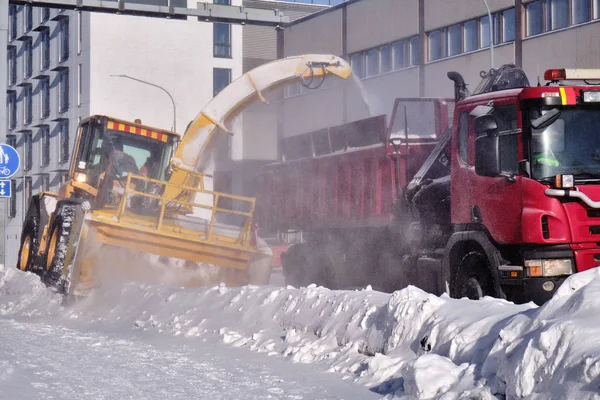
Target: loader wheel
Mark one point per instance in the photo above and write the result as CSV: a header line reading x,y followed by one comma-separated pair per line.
x,y
473,278
55,255
29,246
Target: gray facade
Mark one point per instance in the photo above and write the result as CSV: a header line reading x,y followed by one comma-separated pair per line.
x,y
44,104
404,48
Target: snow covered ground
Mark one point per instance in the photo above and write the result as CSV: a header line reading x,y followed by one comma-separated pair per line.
x,y
409,344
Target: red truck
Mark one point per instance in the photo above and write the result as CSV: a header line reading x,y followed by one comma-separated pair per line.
x,y
492,193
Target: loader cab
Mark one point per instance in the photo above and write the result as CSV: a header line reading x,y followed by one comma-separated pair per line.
x,y
107,146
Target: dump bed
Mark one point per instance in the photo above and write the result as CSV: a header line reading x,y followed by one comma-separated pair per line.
x,y
349,175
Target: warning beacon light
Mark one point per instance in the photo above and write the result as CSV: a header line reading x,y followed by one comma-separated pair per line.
x,y
562,74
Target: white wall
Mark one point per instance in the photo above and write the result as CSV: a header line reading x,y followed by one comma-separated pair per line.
x,y
177,55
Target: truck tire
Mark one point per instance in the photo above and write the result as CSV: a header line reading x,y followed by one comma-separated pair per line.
x,y
473,278
29,245
56,251
294,263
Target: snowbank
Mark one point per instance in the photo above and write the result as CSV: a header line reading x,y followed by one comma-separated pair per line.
x,y
408,344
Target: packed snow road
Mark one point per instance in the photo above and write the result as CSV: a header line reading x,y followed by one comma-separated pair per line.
x,y
406,345
40,360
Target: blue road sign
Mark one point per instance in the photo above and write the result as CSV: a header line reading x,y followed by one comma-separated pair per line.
x,y
4,188
9,161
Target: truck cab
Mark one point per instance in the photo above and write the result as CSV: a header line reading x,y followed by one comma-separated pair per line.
x,y
525,188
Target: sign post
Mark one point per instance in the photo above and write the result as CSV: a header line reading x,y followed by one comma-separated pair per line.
x,y
9,164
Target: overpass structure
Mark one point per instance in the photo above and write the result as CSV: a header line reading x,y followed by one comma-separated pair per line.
x,y
207,12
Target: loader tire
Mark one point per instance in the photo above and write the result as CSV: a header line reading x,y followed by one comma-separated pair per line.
x,y
55,254
29,245
473,278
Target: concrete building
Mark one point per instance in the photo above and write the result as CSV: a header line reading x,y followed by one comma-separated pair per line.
x,y
404,48
62,67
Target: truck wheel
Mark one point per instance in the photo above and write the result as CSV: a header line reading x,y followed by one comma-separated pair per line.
x,y
473,278
29,245
55,254
294,263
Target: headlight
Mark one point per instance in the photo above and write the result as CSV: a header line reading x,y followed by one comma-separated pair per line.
x,y
555,267
80,177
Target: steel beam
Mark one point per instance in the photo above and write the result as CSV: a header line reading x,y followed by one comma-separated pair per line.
x,y
206,12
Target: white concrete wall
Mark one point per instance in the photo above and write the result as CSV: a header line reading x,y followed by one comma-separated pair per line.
x,y
177,55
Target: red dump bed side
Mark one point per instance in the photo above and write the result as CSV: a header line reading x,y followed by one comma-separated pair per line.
x,y
345,176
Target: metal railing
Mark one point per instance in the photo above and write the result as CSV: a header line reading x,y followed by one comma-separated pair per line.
x,y
245,230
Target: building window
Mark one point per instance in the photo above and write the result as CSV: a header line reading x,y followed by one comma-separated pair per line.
x,y
12,206
45,185
372,62
12,20
385,59
221,78
63,155
11,140
45,146
11,105
454,40
484,32
44,49
27,192
28,54
582,11
356,62
45,98
508,25
27,146
28,106
415,50
222,40
28,23
436,45
64,90
44,14
471,41
534,18
64,40
399,51
557,14
12,65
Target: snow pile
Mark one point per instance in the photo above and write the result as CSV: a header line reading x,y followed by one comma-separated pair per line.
x,y
409,344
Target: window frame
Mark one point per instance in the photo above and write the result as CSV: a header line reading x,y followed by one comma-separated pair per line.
x,y
12,65
27,151
63,147
44,49
222,49
27,57
44,97
215,70
44,146
63,92
63,54
28,104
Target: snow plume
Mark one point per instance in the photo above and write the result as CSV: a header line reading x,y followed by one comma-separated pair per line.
x,y
409,344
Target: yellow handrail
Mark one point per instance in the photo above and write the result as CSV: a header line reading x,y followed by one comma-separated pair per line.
x,y
245,231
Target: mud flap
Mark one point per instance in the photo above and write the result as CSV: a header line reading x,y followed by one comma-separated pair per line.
x,y
261,264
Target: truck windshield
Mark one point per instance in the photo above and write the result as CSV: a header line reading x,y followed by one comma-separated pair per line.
x,y
131,153
569,145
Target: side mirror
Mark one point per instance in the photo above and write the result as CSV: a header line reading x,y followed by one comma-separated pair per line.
x,y
487,155
486,125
